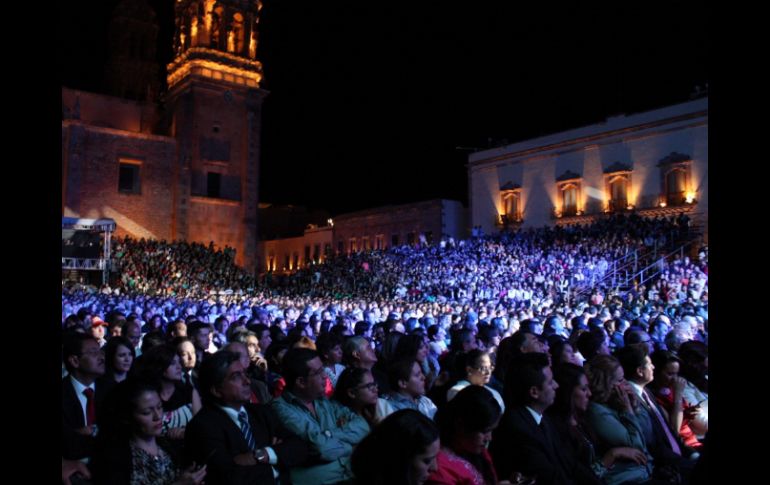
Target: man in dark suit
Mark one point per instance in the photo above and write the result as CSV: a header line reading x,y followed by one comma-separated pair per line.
x,y
81,397
525,440
665,446
239,441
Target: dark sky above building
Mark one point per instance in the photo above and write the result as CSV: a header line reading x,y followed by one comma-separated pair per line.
x,y
370,100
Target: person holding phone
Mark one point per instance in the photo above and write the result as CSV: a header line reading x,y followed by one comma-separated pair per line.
x,y
668,388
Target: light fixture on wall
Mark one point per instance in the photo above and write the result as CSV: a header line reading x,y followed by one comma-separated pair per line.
x,y
689,197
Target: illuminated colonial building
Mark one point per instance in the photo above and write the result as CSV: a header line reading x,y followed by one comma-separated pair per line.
x,y
366,230
652,163
185,166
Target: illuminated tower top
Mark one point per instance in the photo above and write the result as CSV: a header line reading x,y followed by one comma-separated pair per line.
x,y
216,39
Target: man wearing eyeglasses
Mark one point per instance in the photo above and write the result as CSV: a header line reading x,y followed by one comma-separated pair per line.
x,y
81,397
331,429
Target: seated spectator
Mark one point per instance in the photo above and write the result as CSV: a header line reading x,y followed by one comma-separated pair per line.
x,y
408,388
663,444
180,403
568,416
151,339
636,335
525,440
98,329
414,347
401,449
257,363
329,428
241,442
477,371
118,359
562,352
668,389
357,389
466,424
694,369
130,449
594,342
330,350
259,391
81,395
188,358
612,419
358,352
199,333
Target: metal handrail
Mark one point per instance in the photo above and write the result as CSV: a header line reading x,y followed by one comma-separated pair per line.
x,y
652,254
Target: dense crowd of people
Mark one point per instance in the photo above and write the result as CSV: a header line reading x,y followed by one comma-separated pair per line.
x,y
462,362
177,268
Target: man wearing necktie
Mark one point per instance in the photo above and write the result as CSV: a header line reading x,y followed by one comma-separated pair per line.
x,y
239,441
81,398
525,441
663,444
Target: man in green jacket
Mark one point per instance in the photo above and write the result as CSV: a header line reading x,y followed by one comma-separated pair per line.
x,y
331,429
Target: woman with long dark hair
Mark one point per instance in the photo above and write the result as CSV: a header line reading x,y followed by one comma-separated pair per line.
x,y
611,418
568,413
668,388
357,389
465,426
695,368
130,448
180,402
402,449
119,356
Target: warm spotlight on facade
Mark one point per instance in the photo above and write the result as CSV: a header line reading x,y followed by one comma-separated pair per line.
x,y
689,197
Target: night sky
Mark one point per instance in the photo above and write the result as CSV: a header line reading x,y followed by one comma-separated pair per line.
x,y
370,100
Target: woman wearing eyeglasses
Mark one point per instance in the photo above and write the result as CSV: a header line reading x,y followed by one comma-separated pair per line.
x,y
475,369
357,389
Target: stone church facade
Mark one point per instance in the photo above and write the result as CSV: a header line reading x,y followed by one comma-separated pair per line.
x,y
182,165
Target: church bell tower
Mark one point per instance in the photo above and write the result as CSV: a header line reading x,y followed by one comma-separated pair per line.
x,y
216,102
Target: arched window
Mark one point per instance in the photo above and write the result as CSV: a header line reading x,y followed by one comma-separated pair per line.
x,y
193,33
568,186
569,200
511,203
676,186
619,193
238,34
617,183
675,178
216,26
